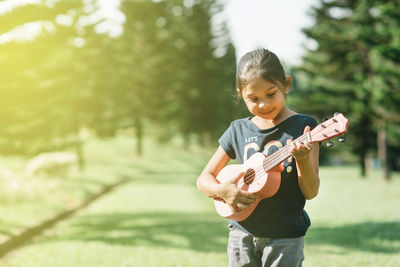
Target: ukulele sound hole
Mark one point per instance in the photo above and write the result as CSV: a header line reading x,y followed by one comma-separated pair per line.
x,y
249,176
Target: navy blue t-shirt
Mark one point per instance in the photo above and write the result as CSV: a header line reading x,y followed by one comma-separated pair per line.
x,y
282,215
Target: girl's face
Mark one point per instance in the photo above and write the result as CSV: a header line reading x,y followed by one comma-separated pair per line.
x,y
265,99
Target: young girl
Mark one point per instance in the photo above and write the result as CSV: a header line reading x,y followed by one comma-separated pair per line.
x,y
273,234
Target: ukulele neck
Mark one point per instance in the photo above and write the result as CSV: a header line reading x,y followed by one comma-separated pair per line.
x,y
282,154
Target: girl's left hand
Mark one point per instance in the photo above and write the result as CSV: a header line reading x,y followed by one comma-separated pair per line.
x,y
301,150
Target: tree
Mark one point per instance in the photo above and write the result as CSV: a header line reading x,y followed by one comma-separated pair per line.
x,y
39,85
162,69
173,77
385,62
340,70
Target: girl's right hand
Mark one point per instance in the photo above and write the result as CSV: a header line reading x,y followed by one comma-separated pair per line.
x,y
235,197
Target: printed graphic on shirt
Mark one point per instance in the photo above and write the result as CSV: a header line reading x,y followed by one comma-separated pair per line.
x,y
251,139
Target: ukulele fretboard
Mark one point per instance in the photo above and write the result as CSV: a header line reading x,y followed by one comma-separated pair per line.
x,y
282,154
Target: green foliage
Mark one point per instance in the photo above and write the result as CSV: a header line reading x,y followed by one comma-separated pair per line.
x,y
354,68
36,86
163,69
176,79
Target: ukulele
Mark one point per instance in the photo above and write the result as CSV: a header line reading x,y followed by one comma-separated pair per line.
x,y
263,173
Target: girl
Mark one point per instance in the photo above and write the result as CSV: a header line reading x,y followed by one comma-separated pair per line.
x,y
273,234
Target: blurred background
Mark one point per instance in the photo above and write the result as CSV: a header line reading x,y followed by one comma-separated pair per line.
x,y
167,69
95,88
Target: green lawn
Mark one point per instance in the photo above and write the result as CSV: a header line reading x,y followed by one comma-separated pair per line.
x,y
355,222
27,200
159,218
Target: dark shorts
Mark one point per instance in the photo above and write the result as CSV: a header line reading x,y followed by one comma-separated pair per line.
x,y
247,250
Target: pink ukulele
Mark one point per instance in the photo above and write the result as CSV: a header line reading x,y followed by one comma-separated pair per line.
x,y
263,173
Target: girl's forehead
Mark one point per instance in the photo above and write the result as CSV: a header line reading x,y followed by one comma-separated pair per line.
x,y
258,85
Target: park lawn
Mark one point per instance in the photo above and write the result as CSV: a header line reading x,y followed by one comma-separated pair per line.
x,y
28,200
355,222
159,218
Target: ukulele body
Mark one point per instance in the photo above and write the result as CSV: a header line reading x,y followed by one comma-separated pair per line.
x,y
256,181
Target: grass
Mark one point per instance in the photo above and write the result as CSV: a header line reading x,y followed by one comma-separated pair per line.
x,y
26,200
356,222
159,218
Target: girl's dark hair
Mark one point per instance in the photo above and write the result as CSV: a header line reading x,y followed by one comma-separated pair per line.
x,y
260,63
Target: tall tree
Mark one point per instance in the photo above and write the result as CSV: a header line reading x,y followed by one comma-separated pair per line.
x,y
172,75
163,69
340,70
41,81
33,80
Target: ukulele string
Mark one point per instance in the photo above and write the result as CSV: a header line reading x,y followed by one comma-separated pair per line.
x,y
278,154
275,158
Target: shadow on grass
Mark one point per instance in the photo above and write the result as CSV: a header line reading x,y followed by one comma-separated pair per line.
x,y
208,233
195,231
379,237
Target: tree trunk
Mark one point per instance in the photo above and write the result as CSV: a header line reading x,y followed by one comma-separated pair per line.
x,y
186,141
139,136
79,153
363,157
206,139
382,153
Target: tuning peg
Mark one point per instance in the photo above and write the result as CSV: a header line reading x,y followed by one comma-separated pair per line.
x,y
336,113
329,144
342,139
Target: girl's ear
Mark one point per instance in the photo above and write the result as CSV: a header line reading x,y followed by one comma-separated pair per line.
x,y
288,81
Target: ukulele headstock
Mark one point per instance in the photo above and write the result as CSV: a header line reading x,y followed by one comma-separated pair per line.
x,y
335,126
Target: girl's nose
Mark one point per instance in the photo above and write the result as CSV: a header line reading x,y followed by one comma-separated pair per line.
x,y
263,104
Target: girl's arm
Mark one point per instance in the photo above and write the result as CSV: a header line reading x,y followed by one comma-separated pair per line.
x,y
307,155
228,191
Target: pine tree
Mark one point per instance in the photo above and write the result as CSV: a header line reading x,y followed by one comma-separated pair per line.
x,y
343,71
385,62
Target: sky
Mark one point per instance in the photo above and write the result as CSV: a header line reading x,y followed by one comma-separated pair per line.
x,y
275,25
272,24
